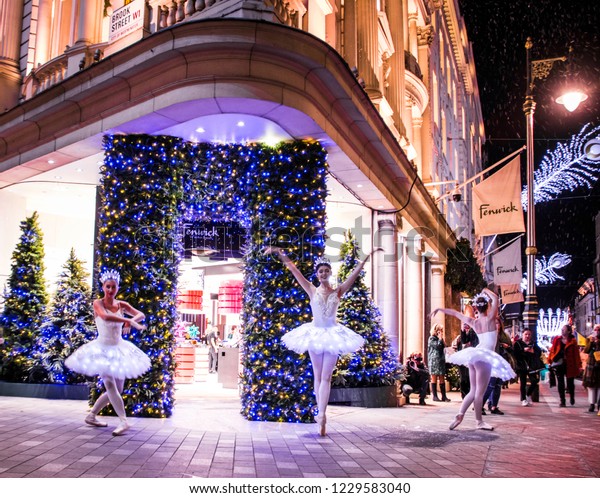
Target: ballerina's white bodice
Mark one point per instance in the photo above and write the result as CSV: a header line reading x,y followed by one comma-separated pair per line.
x,y
109,332
487,340
324,308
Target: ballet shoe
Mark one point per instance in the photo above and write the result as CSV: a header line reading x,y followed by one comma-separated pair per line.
x,y
456,422
481,425
121,428
322,421
92,420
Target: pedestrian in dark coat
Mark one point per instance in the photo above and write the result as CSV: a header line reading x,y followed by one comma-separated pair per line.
x,y
468,339
591,374
437,361
529,363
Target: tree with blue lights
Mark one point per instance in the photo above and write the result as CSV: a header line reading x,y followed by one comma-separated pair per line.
x,y
68,325
286,191
375,363
25,302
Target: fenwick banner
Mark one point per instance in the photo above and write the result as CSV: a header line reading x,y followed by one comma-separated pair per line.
x,y
497,204
511,294
507,264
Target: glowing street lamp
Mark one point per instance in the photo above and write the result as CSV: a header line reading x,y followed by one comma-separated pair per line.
x,y
537,69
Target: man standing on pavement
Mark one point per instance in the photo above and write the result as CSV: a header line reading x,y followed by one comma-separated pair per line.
x,y
212,339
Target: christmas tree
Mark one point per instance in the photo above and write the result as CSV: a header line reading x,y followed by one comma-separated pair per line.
x,y
25,302
375,363
69,325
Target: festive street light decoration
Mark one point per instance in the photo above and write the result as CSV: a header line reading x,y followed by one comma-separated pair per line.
x,y
545,269
570,165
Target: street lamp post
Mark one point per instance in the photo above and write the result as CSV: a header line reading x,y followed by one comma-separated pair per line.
x,y
536,69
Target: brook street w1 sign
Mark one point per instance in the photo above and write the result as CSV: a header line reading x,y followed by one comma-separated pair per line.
x,y
126,19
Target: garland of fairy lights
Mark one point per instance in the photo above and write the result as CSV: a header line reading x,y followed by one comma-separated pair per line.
x,y
150,185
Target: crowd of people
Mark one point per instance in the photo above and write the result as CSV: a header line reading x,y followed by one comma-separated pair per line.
x,y
562,363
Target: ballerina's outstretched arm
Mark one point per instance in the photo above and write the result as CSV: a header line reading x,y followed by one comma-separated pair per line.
x,y
494,301
345,286
301,279
463,318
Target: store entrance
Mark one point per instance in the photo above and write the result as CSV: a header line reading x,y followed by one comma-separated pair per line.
x,y
209,304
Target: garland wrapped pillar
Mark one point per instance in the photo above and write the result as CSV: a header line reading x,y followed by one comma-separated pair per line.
x,y
149,185
286,199
140,192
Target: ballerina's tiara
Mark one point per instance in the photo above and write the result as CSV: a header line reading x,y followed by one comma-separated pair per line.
x,y
322,261
110,275
481,296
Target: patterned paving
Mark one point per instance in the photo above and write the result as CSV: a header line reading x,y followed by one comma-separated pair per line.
x,y
207,437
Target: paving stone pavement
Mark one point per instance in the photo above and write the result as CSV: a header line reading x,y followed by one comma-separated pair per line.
x,y
207,437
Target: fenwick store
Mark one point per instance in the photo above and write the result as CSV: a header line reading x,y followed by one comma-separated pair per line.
x,y
179,181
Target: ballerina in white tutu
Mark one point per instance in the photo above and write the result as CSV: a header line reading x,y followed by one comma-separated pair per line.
x,y
483,362
109,355
323,338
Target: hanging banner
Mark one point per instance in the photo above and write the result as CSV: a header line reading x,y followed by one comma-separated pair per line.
x,y
507,264
511,294
497,204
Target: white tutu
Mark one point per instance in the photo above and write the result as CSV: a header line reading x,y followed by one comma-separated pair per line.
x,y
483,353
336,340
323,334
109,354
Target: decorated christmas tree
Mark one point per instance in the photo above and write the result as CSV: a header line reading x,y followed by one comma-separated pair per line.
x,y
25,302
68,325
375,363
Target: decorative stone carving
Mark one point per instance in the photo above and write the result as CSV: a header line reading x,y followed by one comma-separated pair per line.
x,y
425,35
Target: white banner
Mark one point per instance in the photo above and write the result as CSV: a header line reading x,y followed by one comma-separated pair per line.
x,y
507,264
511,294
126,20
497,204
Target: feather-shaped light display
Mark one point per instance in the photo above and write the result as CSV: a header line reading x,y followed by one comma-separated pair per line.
x,y
565,168
545,269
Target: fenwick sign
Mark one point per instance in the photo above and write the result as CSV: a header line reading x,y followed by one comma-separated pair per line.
x,y
214,240
126,20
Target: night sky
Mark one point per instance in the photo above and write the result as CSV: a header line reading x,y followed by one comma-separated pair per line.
x,y
498,31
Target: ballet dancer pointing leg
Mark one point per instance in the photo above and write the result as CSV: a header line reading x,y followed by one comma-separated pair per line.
x,y
482,361
109,355
323,337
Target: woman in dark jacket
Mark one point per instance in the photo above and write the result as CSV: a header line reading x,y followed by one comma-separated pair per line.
x,y
565,360
437,361
591,374
529,363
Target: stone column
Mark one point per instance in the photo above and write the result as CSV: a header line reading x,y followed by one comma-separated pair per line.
x,y
89,13
11,23
387,277
42,38
438,270
368,45
417,143
396,89
413,295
